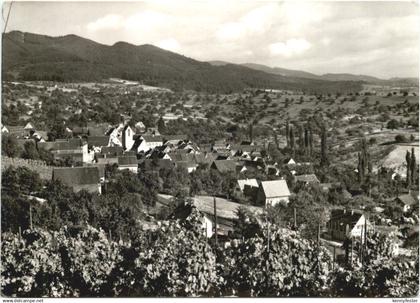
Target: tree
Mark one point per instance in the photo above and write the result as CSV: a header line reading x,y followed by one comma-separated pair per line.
x,y
392,124
324,157
30,151
400,138
413,167
10,146
161,126
408,161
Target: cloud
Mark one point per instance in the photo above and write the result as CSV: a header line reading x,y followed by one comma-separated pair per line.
x,y
289,48
107,22
328,36
170,44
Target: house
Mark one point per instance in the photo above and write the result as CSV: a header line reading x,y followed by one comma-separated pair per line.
x,y
188,165
98,141
156,164
290,161
112,150
140,127
224,166
80,131
273,192
406,201
246,182
345,224
106,160
140,145
128,162
307,179
226,212
152,141
272,170
75,148
79,178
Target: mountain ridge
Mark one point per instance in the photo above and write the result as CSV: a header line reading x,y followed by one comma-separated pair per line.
x,y
28,56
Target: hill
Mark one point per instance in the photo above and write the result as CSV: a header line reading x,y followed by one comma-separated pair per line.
x,y
282,71
398,82
71,58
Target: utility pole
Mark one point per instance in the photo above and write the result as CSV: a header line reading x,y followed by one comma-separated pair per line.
x,y
30,216
361,245
319,233
215,220
294,216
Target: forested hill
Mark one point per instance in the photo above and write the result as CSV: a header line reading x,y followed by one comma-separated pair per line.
x,y
69,58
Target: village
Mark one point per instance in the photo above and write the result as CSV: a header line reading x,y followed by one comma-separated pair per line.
x,y
247,165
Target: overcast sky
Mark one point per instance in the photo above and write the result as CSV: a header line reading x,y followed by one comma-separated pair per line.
x,y
374,38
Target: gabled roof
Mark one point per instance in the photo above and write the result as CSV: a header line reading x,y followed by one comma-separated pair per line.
x,y
127,161
80,130
152,138
151,164
137,143
250,182
307,178
72,144
185,164
224,208
77,175
175,137
407,199
224,165
345,217
98,141
275,188
98,129
112,150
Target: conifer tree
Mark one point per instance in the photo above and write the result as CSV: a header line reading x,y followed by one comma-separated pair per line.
x,y
413,167
408,160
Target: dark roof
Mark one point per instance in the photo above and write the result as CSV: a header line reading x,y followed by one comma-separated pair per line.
x,y
185,164
224,165
77,175
71,144
112,150
98,140
127,160
152,138
407,199
137,143
307,178
175,137
345,217
80,130
149,164
98,129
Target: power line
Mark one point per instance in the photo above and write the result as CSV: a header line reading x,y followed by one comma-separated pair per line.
x,y
7,19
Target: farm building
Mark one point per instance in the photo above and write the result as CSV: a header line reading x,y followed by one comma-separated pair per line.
x,y
79,178
273,192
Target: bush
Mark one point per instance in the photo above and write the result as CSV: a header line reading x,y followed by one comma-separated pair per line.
x,y
400,138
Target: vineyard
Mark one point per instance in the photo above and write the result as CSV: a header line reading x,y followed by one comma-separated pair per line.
x,y
177,260
44,171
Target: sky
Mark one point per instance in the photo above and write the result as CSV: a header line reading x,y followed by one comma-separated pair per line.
x,y
373,38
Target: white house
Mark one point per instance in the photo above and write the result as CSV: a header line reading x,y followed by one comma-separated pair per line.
x,y
273,192
347,224
250,182
128,162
